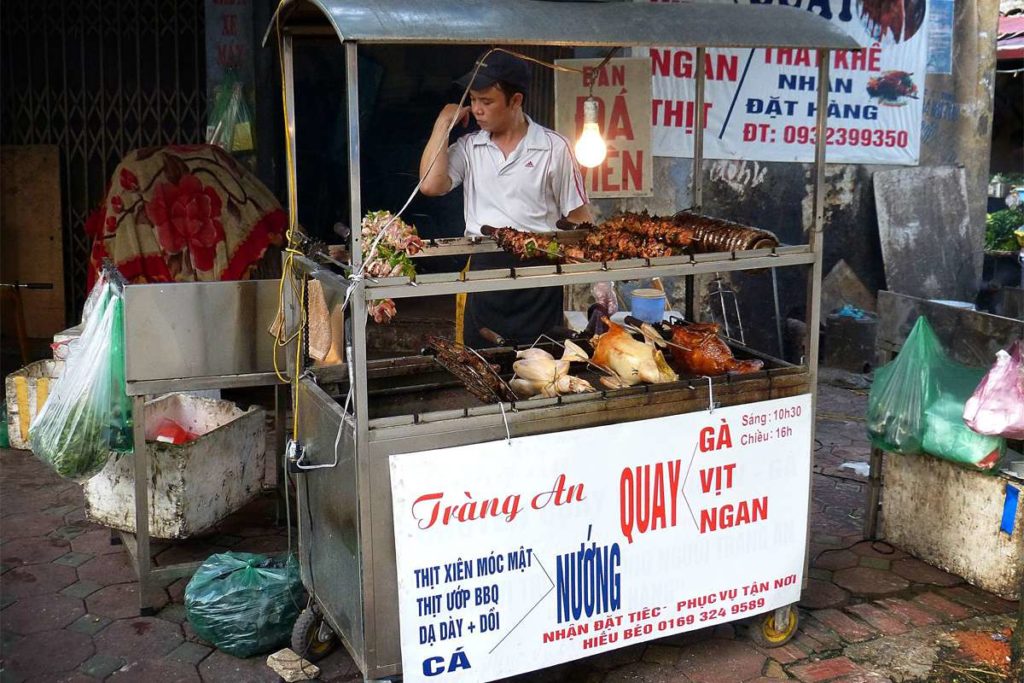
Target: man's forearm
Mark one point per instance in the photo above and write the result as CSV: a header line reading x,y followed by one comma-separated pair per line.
x,y
435,180
581,214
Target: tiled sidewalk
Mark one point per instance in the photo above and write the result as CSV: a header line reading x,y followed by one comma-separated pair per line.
x,y
870,613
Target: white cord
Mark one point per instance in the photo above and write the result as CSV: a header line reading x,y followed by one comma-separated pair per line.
x,y
437,152
711,396
504,418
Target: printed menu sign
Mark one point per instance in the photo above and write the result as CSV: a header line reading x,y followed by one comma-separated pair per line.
x,y
515,556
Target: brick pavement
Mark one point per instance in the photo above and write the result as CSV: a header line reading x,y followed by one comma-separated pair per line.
x,y
68,597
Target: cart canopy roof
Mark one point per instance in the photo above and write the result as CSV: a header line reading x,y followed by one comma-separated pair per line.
x,y
543,22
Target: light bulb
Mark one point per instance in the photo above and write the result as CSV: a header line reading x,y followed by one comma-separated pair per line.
x,y
590,148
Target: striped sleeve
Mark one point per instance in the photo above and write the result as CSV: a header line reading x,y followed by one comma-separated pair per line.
x,y
458,162
566,179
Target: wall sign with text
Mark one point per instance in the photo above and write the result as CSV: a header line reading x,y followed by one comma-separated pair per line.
x,y
761,103
622,88
518,556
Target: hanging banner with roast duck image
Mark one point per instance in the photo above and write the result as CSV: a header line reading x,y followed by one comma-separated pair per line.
x,y
761,103
520,554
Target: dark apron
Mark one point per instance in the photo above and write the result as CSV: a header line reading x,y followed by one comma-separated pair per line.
x,y
519,315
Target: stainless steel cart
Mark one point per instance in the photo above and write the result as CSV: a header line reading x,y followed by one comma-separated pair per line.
x,y
191,336
347,547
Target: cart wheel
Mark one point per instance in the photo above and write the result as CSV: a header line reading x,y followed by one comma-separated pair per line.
x,y
312,638
766,633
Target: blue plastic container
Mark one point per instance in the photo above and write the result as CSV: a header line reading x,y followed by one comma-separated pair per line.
x,y
648,305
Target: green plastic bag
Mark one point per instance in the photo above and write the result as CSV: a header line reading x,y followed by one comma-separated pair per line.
x,y
916,404
5,439
88,414
946,435
245,604
230,124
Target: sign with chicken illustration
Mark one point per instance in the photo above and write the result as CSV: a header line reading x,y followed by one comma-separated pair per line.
x,y
760,104
521,554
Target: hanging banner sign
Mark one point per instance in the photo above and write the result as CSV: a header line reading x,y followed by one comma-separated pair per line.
x,y
515,556
622,88
761,103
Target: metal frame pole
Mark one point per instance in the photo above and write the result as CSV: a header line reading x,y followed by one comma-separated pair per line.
x,y
291,178
140,460
814,238
288,69
357,351
697,175
698,133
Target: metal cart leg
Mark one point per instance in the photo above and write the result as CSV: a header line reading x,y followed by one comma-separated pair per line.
x,y
874,494
280,408
141,541
151,579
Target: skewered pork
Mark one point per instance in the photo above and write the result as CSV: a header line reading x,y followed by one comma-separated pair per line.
x,y
698,350
524,245
714,234
630,361
652,227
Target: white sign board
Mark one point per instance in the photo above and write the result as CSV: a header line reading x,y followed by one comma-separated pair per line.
x,y
761,103
518,556
622,89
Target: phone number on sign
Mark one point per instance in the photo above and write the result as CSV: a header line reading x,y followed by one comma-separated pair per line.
x,y
854,137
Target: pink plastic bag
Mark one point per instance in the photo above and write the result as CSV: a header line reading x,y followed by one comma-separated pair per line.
x,y
997,406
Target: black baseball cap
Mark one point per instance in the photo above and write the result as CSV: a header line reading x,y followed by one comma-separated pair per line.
x,y
499,66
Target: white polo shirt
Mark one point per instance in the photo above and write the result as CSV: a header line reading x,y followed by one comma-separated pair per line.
x,y
536,185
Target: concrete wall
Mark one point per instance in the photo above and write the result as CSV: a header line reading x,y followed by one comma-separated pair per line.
x,y
956,129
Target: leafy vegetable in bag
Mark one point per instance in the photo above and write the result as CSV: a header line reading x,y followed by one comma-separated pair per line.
x,y
88,413
245,604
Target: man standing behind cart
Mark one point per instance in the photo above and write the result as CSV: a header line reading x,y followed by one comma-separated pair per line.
x,y
514,173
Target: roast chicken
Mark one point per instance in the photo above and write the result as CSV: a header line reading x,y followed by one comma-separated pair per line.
x,y
630,361
698,350
539,374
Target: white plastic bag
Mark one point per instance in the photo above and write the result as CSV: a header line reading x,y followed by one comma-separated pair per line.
x,y
88,413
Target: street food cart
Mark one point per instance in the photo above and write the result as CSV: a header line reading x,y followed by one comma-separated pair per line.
x,y
381,433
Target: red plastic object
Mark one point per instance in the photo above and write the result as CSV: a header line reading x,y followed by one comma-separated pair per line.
x,y
169,431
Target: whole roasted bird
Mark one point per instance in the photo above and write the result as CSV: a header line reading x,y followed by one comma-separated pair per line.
x,y
698,350
630,361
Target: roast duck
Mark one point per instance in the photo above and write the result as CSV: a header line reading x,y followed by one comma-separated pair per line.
x,y
698,350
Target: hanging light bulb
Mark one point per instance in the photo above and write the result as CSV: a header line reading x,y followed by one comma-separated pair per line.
x,y
590,148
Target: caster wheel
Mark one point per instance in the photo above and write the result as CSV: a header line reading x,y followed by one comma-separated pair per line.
x,y
312,638
766,632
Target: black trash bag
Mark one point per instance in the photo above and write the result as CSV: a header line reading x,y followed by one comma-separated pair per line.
x,y
245,604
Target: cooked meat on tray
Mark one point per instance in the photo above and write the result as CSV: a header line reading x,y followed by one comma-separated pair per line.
x,y
636,235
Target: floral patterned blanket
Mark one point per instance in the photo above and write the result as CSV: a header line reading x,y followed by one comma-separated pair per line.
x,y
182,214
